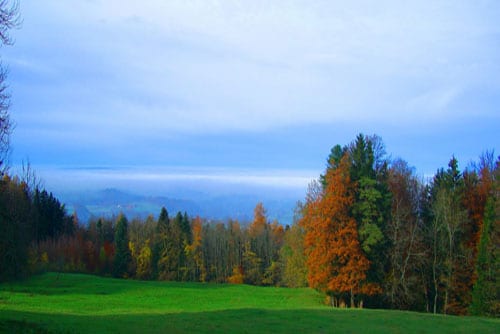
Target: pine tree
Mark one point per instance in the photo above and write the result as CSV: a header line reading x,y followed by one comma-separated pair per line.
x,y
372,201
486,292
169,256
15,229
122,252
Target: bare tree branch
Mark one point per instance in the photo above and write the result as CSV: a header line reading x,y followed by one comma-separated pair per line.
x,y
9,19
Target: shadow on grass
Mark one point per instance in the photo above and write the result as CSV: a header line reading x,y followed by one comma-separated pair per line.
x,y
16,326
248,321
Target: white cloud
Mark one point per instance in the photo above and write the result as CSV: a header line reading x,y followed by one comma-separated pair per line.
x,y
202,179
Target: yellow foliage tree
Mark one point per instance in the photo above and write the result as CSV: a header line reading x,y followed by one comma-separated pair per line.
x,y
144,262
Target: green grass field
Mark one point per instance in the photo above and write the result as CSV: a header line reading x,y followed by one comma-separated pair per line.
x,y
71,303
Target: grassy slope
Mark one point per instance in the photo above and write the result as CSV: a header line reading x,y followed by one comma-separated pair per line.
x,y
82,303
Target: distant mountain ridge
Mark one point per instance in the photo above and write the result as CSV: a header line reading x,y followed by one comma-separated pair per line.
x,y
111,202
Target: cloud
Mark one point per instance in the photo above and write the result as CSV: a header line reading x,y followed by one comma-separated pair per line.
x,y
147,179
98,71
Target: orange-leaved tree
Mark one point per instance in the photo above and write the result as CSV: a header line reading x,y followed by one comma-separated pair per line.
x,y
335,261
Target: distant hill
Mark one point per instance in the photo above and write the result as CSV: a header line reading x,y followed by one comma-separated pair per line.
x,y
110,202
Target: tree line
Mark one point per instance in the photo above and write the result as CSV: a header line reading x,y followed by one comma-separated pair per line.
x,y
28,216
375,234
370,233
176,248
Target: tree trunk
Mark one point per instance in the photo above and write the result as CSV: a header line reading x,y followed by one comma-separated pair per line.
x,y
434,274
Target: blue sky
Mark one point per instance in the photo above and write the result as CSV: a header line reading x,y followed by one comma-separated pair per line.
x,y
251,87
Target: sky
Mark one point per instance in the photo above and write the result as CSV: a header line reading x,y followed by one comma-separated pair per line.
x,y
249,91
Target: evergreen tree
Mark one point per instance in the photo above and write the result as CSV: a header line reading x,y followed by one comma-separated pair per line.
x,y
336,154
486,292
371,206
178,237
122,252
160,243
15,228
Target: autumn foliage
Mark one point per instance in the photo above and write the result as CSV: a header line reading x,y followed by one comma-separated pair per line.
x,y
370,234
335,260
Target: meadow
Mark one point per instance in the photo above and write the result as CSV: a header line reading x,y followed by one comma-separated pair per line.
x,y
75,303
